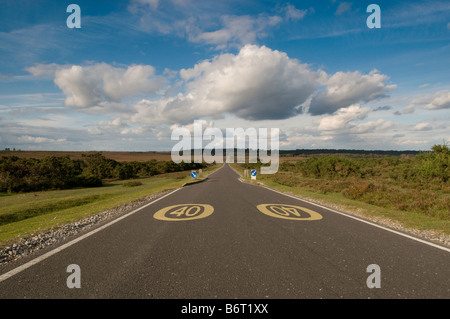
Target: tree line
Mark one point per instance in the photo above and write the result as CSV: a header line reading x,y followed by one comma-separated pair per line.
x,y
30,174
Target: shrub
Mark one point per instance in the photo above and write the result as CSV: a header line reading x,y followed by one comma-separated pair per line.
x,y
132,184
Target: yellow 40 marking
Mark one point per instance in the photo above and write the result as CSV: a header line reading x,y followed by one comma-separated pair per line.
x,y
182,212
289,212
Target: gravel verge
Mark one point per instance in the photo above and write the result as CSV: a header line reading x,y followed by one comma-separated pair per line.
x,y
28,245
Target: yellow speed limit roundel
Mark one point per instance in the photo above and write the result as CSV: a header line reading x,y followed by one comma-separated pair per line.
x,y
289,212
182,212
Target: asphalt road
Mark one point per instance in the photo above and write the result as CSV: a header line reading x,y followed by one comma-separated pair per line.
x,y
235,251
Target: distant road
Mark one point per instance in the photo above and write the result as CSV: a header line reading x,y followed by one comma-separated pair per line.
x,y
226,239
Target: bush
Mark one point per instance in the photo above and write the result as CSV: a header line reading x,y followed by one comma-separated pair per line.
x,y
132,184
436,164
358,189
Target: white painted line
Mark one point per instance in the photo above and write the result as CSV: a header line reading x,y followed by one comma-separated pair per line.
x,y
37,260
357,218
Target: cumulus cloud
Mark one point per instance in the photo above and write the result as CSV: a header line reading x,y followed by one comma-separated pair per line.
x,y
440,100
256,84
346,88
342,118
92,85
372,126
423,127
437,101
409,109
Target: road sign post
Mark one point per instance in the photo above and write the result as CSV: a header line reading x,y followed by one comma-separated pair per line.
x,y
253,173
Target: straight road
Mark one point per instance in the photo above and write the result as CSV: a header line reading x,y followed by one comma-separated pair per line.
x,y
217,244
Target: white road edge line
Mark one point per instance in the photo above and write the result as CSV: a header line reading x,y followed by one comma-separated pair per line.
x,y
37,260
356,218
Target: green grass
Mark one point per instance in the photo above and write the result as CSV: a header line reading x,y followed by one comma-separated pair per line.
x,y
22,215
326,192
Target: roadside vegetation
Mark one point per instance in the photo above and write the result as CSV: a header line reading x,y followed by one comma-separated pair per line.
x,y
414,190
52,173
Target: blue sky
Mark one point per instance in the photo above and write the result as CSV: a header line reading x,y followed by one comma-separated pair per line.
x,y
137,69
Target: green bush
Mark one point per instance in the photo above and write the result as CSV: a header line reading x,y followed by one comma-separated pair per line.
x,y
436,164
132,184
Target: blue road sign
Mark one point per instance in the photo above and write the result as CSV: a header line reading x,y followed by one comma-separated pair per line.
x,y
253,172
193,174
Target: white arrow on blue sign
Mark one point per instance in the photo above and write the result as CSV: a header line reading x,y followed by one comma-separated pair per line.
x,y
253,172
193,174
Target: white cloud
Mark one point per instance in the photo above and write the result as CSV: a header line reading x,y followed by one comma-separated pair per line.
x,y
346,88
44,69
258,83
423,127
237,30
437,101
209,22
39,139
343,7
372,126
342,118
292,13
409,109
440,100
92,85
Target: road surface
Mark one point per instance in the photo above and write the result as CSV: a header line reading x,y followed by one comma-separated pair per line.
x,y
223,238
